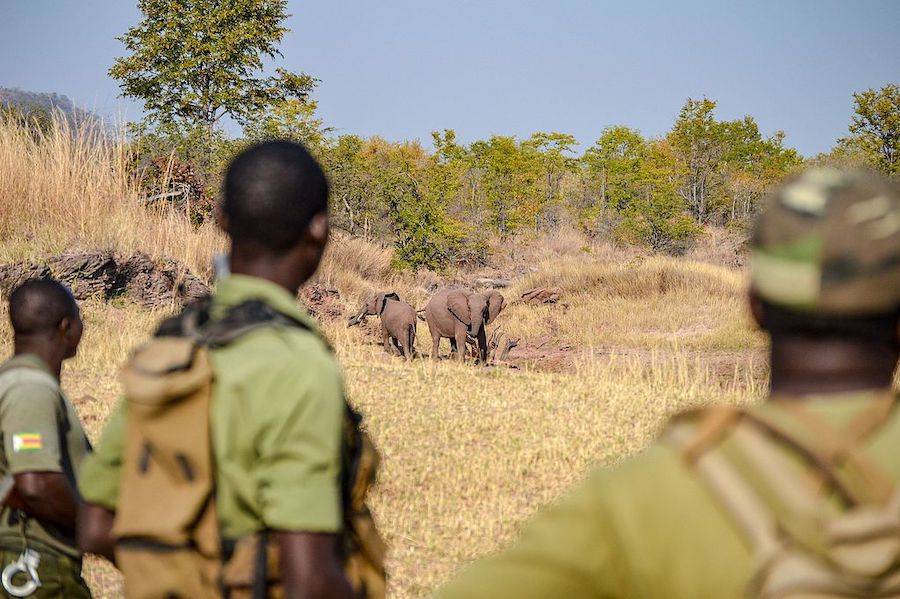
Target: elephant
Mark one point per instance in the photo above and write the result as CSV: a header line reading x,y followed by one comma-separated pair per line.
x,y
398,322
459,314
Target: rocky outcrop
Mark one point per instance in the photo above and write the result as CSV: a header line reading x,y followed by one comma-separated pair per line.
x,y
104,275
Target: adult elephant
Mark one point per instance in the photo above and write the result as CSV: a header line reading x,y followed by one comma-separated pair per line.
x,y
457,314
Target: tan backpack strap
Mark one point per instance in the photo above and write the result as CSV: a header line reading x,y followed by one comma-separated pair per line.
x,y
740,501
868,421
809,450
711,430
867,480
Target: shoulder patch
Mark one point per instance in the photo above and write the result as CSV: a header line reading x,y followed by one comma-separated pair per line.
x,y
23,442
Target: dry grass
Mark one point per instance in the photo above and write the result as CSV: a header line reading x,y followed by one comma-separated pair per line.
x,y
469,452
652,303
74,188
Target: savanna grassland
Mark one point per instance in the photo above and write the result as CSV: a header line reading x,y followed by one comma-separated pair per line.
x,y
469,452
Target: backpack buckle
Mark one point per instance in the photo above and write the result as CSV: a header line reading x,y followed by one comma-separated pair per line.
x,y
28,564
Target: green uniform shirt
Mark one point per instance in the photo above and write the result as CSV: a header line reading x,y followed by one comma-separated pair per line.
x,y
646,528
276,418
41,433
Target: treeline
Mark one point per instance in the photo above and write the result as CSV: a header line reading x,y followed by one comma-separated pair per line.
x,y
440,205
194,65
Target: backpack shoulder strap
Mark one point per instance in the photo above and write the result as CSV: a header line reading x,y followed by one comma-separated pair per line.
x,y
730,490
243,318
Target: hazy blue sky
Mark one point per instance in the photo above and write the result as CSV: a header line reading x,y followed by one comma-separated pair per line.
x,y
404,68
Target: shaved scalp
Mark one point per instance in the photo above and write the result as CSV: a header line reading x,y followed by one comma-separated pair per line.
x,y
37,306
271,193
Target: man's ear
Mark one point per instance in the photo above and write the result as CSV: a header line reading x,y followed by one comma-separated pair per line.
x,y
757,309
64,328
318,229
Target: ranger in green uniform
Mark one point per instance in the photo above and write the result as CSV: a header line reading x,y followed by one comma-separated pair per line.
x,y
797,497
277,394
43,446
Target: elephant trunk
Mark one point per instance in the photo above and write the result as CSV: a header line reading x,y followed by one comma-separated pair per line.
x,y
480,336
356,318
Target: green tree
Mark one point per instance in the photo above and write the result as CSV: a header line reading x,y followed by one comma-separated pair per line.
x,y
875,127
556,159
612,170
656,214
698,142
509,173
194,62
289,119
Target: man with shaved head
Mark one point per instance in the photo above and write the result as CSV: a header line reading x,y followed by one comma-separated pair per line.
x,y
43,446
262,500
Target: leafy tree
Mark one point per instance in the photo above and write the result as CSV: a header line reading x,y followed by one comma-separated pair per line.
x,y
509,174
289,119
613,167
656,214
698,143
194,62
875,128
556,160
354,208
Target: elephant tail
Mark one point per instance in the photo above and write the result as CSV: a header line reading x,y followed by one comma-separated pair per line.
x,y
411,339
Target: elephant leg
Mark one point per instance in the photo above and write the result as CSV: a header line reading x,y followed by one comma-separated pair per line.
x,y
435,345
461,343
398,347
386,341
453,348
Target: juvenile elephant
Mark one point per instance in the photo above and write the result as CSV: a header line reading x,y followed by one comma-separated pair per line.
x,y
398,322
458,314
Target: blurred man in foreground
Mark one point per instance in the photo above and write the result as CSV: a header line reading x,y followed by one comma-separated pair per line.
x,y
797,497
232,467
43,447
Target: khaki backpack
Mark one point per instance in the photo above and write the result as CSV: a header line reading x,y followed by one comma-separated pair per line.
x,y
166,529
821,519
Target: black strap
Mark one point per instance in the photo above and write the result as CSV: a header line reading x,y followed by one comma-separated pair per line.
x,y
261,567
195,321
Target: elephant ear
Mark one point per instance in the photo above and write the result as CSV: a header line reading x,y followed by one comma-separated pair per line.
x,y
495,302
380,303
458,304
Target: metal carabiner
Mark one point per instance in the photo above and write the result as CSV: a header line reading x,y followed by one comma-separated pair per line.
x,y
28,564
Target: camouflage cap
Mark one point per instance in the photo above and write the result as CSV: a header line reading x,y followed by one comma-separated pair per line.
x,y
828,242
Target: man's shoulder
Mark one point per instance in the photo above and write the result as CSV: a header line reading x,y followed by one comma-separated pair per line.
x,y
22,375
278,352
282,344
659,465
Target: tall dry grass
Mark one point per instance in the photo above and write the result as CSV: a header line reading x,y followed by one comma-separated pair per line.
x,y
76,187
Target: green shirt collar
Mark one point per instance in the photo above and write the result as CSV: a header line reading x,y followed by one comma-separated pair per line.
x,y
237,289
28,361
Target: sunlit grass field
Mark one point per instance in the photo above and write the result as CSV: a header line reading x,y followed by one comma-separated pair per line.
x,y
469,452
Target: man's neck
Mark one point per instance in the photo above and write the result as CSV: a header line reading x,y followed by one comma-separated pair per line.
x,y
45,351
275,269
805,365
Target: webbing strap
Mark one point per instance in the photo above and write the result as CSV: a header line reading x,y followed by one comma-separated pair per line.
x,y
734,494
843,445
792,491
711,431
808,451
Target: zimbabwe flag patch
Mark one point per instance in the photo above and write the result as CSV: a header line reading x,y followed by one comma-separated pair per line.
x,y
27,442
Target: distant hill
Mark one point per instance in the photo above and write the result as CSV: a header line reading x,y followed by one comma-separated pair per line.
x,y
27,101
